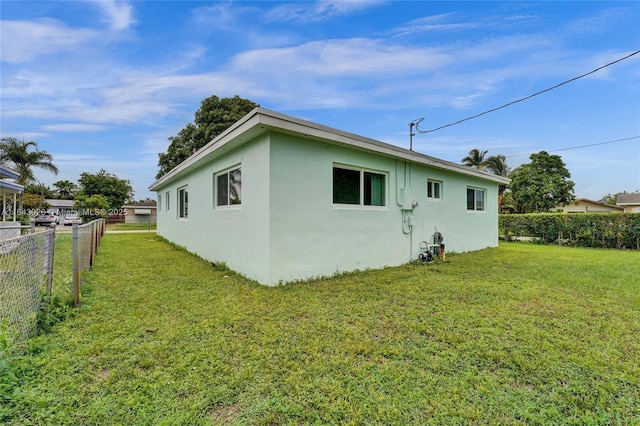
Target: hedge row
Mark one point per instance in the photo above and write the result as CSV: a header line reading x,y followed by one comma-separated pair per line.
x,y
604,230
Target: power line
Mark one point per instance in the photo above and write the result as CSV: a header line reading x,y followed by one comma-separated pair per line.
x,y
530,96
581,146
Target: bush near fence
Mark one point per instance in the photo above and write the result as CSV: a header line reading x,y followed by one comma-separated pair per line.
x,y
603,230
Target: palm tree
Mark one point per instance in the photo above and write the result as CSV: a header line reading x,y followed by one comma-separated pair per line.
x,y
475,159
66,189
497,164
23,160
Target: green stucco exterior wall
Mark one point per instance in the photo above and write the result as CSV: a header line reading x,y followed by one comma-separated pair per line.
x,y
287,227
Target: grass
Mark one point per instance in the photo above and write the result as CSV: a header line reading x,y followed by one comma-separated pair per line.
x,y
121,226
522,334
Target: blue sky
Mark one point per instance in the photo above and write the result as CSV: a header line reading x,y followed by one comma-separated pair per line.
x,y
104,84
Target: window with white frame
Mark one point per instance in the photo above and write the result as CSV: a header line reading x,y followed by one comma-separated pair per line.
x,y
359,187
183,202
166,199
434,189
476,199
229,188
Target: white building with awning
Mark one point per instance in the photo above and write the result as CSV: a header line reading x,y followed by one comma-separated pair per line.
x,y
10,193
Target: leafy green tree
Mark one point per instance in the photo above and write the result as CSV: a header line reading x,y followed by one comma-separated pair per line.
x,y
31,201
506,203
475,159
19,155
116,191
147,200
91,207
542,184
66,189
610,198
181,147
214,117
39,190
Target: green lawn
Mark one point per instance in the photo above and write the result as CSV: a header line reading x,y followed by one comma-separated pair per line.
x,y
522,334
121,226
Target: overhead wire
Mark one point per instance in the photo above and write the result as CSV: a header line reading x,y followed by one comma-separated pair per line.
x,y
530,96
580,146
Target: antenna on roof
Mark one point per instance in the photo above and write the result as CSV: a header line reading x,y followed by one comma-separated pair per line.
x,y
413,124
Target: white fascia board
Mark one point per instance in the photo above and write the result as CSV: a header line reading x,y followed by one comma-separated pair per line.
x,y
10,188
261,120
8,172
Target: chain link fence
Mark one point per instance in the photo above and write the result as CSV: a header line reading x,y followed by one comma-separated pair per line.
x,y
26,271
15,229
26,268
86,239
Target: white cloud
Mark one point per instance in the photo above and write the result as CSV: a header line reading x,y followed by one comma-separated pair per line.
x,y
465,101
596,23
446,22
23,41
77,157
334,73
318,11
72,127
431,24
355,58
118,15
220,15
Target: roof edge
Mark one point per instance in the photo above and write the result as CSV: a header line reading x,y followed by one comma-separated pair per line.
x,y
13,187
265,120
382,147
8,172
600,203
234,130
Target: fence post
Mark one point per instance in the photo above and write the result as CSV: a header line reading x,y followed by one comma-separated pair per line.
x,y
92,243
74,262
48,259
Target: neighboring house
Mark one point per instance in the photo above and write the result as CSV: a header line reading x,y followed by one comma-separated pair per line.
x,y
279,199
60,207
630,202
143,212
584,205
10,193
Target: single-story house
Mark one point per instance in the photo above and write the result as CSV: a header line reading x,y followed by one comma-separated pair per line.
x,y
280,199
10,193
630,202
142,212
585,205
60,207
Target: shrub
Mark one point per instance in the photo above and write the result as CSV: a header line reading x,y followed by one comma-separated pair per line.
x,y
8,370
53,309
604,230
